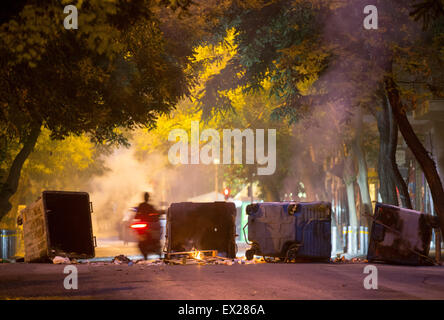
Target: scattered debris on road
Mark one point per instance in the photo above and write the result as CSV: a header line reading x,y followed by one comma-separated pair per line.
x,y
157,262
61,260
205,257
194,257
121,259
352,260
4,261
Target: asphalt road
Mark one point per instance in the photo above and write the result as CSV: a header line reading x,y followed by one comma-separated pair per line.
x,y
236,282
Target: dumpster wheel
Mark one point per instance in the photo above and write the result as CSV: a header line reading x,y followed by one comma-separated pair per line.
x,y
249,254
292,252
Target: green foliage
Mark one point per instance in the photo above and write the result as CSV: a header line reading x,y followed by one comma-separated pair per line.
x,y
323,65
247,110
119,69
95,79
253,111
314,52
55,165
277,41
260,64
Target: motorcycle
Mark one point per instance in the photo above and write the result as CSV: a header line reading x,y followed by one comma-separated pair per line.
x,y
148,234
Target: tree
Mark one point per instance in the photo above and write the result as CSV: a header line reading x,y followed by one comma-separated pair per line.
x,y
276,41
422,57
252,111
282,42
55,165
117,70
421,154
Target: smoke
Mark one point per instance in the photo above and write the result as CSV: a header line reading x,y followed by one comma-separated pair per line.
x,y
360,59
119,189
129,175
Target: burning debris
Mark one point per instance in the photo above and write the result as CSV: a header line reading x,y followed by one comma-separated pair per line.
x,y
197,257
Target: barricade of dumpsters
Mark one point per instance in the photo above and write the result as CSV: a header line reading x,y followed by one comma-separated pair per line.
x,y
302,231
59,223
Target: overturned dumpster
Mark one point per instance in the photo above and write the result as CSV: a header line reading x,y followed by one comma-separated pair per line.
x,y
290,230
58,224
401,236
201,226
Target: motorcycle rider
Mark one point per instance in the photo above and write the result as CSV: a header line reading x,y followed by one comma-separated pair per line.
x,y
149,239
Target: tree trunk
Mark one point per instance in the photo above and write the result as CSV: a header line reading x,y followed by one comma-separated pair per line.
x,y
9,187
426,162
399,180
334,196
362,171
389,176
349,180
387,187
334,219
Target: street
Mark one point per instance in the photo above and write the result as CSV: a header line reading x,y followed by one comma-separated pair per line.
x,y
237,282
202,150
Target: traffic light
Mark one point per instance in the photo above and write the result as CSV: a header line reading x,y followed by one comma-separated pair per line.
x,y
226,193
